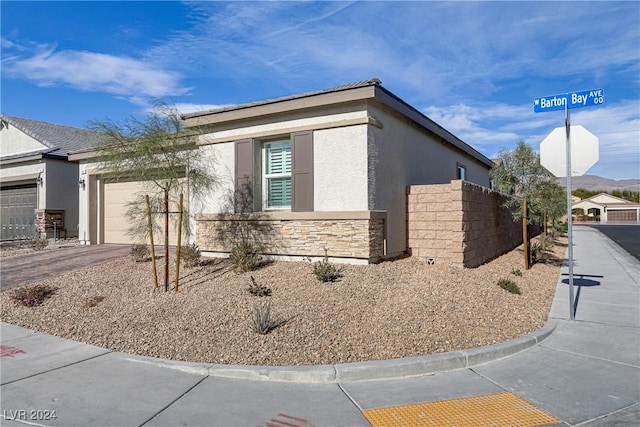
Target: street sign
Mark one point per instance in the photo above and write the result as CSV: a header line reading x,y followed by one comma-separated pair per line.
x,y
584,98
585,154
584,151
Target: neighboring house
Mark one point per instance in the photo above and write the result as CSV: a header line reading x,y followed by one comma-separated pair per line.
x,y
39,185
323,170
608,208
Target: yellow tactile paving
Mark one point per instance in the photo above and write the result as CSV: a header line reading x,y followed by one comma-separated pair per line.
x,y
502,409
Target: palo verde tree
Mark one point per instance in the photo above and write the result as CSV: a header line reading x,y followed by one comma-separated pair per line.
x,y
519,174
162,155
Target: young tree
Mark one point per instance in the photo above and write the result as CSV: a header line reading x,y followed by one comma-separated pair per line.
x,y
551,198
518,173
163,156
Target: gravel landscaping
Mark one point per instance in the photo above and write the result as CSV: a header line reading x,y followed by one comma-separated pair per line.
x,y
393,309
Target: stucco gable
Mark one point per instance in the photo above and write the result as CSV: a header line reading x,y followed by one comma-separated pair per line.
x,y
25,136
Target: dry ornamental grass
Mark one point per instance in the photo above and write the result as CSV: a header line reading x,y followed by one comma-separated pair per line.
x,y
389,310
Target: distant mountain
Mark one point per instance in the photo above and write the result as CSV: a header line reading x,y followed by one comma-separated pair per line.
x,y
597,183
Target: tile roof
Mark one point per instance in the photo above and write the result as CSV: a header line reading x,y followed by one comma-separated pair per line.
x,y
61,140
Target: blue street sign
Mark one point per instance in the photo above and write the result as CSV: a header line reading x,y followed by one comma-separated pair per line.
x,y
584,98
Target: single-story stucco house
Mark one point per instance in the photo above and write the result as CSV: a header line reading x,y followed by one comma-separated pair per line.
x,y
39,185
325,170
608,208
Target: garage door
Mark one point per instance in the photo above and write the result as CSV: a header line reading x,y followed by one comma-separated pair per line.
x,y
117,196
622,215
17,211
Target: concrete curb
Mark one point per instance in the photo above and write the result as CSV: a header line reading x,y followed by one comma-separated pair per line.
x,y
362,371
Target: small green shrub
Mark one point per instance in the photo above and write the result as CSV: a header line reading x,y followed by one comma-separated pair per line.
x,y
509,285
516,272
32,296
93,301
140,253
244,257
258,290
190,255
261,321
39,244
324,270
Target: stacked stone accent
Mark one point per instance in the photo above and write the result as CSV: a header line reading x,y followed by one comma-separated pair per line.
x,y
460,223
358,237
48,221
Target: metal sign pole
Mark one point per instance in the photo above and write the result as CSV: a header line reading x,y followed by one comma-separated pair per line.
x,y
569,213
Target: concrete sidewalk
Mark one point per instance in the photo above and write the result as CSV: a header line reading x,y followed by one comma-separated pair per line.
x,y
582,372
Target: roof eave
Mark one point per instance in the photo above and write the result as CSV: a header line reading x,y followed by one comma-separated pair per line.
x,y
278,106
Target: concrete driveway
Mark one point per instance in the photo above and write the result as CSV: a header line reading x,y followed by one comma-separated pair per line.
x,y
36,266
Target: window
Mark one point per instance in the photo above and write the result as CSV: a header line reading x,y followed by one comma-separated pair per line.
x,y
277,174
461,172
278,171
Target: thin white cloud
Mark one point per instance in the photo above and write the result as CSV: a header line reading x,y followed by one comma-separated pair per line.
x,y
492,128
184,108
93,72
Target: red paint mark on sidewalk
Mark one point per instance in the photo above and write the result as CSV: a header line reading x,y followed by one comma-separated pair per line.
x,y
284,420
7,351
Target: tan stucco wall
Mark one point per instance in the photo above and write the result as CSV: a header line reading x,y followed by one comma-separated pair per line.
x,y
402,154
340,169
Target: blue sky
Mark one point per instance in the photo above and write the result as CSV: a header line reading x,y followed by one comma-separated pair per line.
x,y
473,67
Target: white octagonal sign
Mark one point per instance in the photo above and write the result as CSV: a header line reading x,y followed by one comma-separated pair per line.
x,y
584,151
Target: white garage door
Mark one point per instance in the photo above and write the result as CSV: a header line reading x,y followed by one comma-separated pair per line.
x,y
117,196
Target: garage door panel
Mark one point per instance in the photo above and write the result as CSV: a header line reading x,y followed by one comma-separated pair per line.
x,y
622,215
17,211
117,197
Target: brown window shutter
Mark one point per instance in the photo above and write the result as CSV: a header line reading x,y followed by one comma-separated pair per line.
x,y
302,173
244,175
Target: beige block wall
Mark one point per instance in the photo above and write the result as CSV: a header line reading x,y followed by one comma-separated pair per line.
x,y
459,223
357,237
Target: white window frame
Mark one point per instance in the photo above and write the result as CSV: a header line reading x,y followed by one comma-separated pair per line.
x,y
461,171
266,177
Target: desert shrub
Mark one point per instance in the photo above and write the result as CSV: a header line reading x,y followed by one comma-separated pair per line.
x,y
258,290
140,252
244,257
32,296
561,228
93,301
261,321
324,270
537,252
39,244
190,255
546,242
516,272
509,285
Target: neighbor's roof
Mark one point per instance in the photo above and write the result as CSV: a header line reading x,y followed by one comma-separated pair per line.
x,y
61,140
365,89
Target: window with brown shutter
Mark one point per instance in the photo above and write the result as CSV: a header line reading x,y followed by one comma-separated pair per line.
x,y
302,174
285,173
244,170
